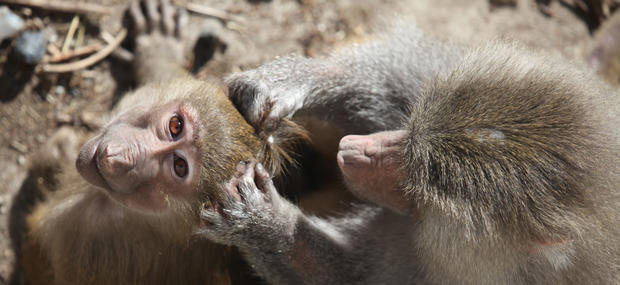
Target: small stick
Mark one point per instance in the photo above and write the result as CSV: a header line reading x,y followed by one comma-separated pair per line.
x,y
123,54
74,53
53,49
80,64
119,52
80,37
19,147
212,12
63,6
107,37
74,24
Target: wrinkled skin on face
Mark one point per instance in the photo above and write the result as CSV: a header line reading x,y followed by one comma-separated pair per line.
x,y
371,167
164,145
135,157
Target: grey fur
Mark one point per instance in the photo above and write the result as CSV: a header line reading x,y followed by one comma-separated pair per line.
x,y
362,90
506,150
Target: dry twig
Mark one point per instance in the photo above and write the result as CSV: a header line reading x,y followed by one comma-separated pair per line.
x,y
119,52
80,37
72,28
63,6
80,64
74,53
53,49
212,12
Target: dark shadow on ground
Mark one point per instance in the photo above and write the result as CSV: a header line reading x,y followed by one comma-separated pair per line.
x,y
14,76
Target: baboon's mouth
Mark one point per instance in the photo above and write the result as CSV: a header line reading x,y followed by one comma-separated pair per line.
x,y
86,164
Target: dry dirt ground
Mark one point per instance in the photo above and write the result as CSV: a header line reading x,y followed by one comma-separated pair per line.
x,y
33,107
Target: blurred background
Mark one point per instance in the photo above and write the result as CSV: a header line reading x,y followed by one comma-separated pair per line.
x,y
59,65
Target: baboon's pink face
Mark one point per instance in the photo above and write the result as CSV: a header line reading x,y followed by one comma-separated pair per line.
x,y
145,156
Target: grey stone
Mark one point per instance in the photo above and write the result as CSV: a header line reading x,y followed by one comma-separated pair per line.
x,y
10,23
30,46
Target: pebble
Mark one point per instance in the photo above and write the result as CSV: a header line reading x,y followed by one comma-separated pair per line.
x,y
30,46
60,90
10,23
74,92
21,160
64,118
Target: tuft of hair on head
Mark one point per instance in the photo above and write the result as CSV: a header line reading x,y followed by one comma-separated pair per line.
x,y
281,139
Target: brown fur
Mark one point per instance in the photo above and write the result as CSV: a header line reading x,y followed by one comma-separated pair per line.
x,y
77,235
67,231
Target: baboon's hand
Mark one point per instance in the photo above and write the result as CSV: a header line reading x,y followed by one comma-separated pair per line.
x,y
157,23
274,90
160,52
250,214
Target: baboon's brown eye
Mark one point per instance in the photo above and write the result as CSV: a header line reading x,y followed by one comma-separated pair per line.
x,y
180,166
175,126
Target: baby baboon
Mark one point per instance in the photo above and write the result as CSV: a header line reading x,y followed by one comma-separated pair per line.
x,y
506,172
129,213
